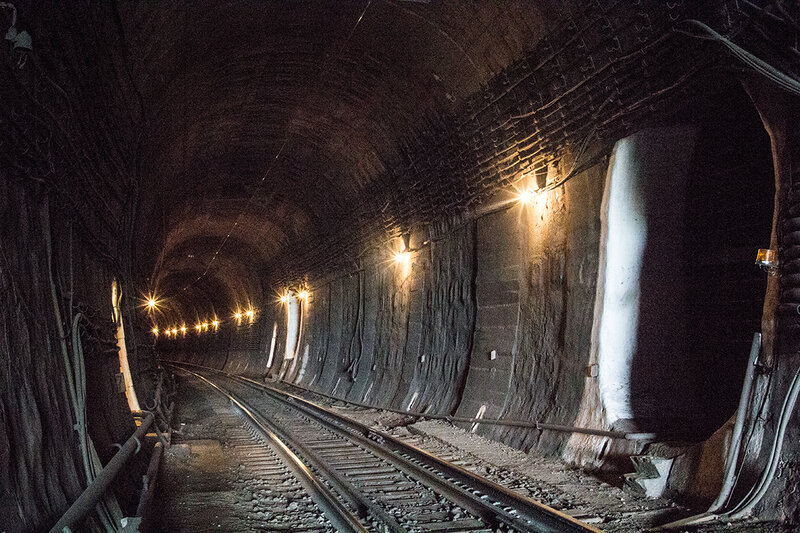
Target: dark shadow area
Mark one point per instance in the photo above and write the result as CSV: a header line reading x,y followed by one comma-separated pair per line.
x,y
688,380
729,217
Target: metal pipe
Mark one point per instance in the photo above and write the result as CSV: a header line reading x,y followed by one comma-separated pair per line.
x,y
149,481
541,426
736,439
92,494
757,492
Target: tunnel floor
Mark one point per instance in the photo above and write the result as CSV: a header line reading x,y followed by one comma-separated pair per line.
x,y
218,476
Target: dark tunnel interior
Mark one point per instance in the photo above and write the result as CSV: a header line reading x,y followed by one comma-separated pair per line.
x,y
564,232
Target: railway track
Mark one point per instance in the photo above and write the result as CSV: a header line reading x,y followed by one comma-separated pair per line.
x,y
222,474
366,480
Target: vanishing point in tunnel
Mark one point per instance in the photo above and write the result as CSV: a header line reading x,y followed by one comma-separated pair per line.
x,y
400,265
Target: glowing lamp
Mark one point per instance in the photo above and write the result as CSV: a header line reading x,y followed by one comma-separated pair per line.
x,y
215,323
175,331
155,332
238,316
402,258
525,196
303,295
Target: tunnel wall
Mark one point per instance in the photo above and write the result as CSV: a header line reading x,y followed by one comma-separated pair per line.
x,y
49,276
519,282
560,234
424,341
781,320
395,338
498,263
66,187
498,316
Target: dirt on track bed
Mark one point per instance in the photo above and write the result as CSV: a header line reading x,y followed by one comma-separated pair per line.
x,y
544,479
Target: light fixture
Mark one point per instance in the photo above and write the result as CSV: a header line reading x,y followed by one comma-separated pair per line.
x,y
302,295
215,323
767,259
237,315
183,330
155,332
525,196
205,325
199,327
402,258
249,314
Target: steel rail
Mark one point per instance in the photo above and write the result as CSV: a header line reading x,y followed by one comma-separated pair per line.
x,y
493,503
341,518
363,506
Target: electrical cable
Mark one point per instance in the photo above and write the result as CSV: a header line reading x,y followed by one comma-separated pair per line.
x,y
746,446
779,78
758,491
75,373
108,509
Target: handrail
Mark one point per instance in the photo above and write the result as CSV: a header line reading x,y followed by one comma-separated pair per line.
x,y
92,494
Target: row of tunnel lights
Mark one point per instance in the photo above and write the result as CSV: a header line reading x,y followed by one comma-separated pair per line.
x,y
402,258
201,327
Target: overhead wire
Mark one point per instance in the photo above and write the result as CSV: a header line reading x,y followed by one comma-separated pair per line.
x,y
778,77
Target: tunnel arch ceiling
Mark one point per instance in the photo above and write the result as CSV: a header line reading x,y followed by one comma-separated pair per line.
x,y
313,130
337,91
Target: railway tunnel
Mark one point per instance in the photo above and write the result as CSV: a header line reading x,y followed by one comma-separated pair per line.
x,y
549,246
